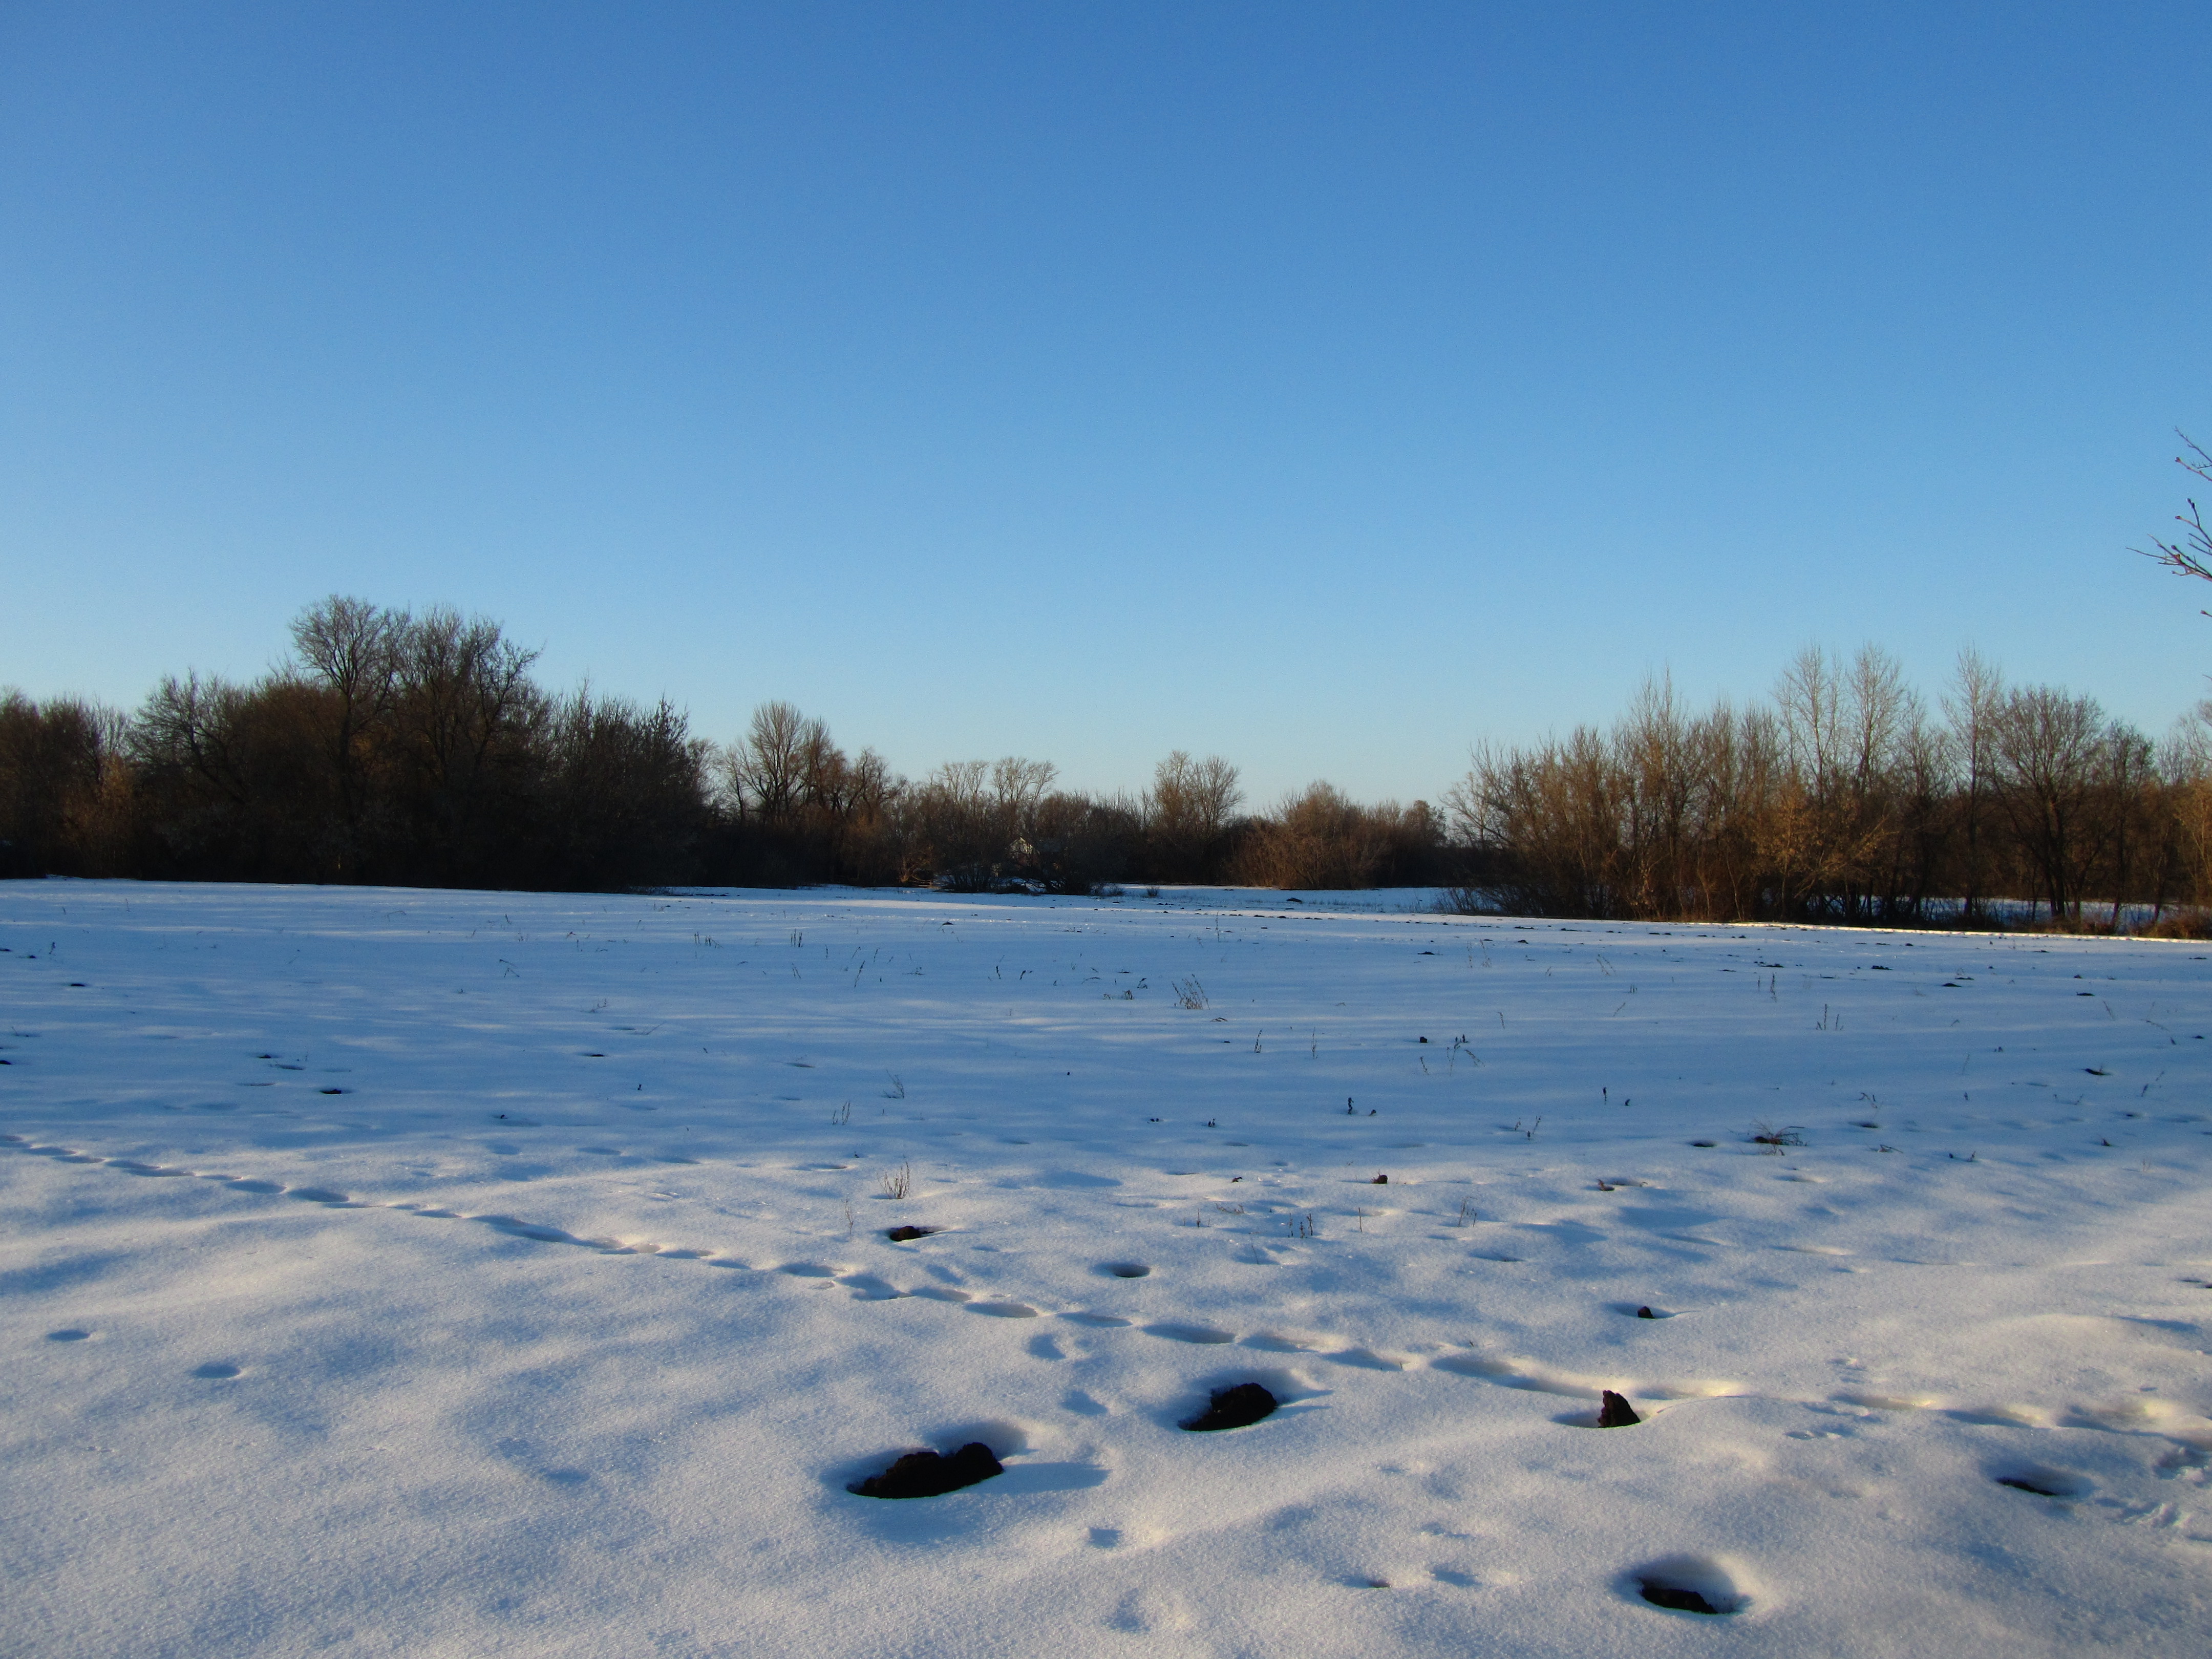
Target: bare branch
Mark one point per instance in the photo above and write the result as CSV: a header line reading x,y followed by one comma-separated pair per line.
x,y
2191,555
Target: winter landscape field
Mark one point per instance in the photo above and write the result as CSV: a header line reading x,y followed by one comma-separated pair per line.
x,y
441,1274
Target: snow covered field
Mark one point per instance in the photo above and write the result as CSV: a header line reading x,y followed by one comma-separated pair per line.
x,y
452,1273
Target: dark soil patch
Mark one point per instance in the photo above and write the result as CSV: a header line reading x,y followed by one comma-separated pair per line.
x,y
907,1234
1233,1408
927,1474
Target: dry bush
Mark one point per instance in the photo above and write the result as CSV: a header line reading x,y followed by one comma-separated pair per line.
x,y
1320,839
2190,922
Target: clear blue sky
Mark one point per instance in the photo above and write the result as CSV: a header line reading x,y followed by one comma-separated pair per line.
x,y
1326,386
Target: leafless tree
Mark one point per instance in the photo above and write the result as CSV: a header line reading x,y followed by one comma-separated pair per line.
x,y
1188,812
1973,706
769,766
64,787
1017,786
349,649
465,711
2051,753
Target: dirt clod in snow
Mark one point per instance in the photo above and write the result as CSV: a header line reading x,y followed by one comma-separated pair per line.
x,y
1232,1408
907,1234
927,1474
1614,1412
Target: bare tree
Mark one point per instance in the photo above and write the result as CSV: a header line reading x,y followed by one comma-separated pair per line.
x,y
1017,786
350,649
1927,782
769,768
2131,785
951,829
2189,769
464,710
2052,756
1187,812
1974,706
627,790
65,786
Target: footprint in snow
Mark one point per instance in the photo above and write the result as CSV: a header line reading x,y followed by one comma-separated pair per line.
x,y
516,1227
2045,1481
1688,1583
1365,1358
1179,1333
519,1452
867,1287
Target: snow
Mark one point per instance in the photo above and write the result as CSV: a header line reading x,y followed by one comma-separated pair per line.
x,y
464,1273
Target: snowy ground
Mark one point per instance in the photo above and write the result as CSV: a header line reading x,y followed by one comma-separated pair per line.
x,y
519,1282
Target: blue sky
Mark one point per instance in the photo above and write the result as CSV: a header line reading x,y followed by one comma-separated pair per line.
x,y
1326,386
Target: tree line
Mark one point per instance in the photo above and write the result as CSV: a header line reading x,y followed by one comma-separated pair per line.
x,y
420,750
410,750
1845,797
